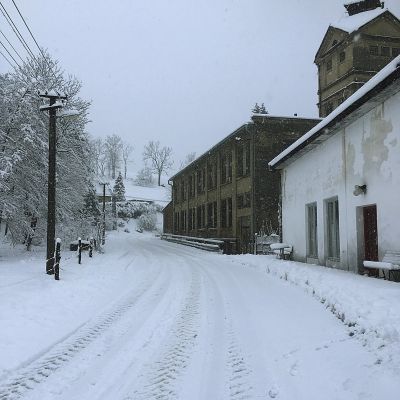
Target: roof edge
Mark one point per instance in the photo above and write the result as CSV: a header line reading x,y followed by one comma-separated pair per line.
x,y
388,74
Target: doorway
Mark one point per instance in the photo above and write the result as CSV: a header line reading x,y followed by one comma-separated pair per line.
x,y
370,233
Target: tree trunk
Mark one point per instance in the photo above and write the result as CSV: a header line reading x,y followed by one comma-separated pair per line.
x,y
159,178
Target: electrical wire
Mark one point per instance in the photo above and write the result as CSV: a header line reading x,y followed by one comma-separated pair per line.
x,y
16,52
33,37
5,48
7,59
16,31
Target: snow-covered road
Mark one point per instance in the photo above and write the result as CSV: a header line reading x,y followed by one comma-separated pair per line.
x,y
180,323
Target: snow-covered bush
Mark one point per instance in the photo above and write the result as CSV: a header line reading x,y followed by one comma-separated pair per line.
x,y
134,209
147,222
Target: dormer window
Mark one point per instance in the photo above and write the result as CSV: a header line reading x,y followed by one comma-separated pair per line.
x,y
385,51
373,50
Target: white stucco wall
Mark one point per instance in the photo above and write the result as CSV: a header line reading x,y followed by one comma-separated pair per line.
x,y
366,152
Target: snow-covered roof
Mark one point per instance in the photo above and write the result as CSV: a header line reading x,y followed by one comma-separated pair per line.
x,y
234,134
355,101
99,189
351,23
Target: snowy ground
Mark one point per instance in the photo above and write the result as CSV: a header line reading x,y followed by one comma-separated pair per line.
x,y
155,320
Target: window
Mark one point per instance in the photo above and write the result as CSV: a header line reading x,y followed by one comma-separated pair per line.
x,y
226,213
176,221
334,43
226,167
183,221
243,159
395,51
342,56
183,191
332,229
192,219
212,175
385,51
373,50
201,212
328,108
212,215
201,180
329,65
176,191
312,243
244,200
192,186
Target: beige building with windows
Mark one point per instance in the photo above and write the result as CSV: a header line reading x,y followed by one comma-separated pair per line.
x,y
228,192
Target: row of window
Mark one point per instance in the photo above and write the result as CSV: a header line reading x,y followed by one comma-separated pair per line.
x,y
198,218
374,50
331,226
384,51
197,182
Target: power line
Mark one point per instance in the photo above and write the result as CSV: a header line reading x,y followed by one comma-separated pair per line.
x,y
16,52
7,59
5,48
16,31
33,37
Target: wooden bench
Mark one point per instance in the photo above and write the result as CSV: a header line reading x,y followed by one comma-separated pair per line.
x,y
282,250
389,264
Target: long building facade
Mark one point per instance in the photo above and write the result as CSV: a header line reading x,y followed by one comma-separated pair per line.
x,y
228,192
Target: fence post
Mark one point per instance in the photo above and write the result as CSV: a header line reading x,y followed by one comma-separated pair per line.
x,y
91,247
57,260
79,250
255,243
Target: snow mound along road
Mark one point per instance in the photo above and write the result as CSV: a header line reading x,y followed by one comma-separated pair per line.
x,y
369,307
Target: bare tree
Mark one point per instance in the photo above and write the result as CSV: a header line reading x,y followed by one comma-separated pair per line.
x,y
113,147
188,159
160,158
144,177
99,156
126,152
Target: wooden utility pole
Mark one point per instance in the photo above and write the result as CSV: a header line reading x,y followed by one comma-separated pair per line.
x,y
52,107
103,237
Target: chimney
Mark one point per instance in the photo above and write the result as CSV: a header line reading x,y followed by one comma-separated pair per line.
x,y
356,7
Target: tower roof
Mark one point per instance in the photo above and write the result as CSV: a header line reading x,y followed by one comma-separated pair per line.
x,y
359,6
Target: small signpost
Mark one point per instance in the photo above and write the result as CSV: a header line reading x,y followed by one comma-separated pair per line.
x,y
79,250
57,260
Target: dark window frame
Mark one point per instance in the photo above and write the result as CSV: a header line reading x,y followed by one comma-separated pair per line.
x,y
312,229
332,221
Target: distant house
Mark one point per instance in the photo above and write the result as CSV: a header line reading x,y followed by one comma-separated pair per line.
x,y
168,218
225,193
341,180
101,194
353,50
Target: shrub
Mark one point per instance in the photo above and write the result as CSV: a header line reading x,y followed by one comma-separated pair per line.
x,y
147,222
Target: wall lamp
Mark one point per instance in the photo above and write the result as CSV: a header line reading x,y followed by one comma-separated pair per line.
x,y
359,190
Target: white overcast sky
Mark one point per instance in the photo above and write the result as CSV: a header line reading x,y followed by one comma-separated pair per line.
x,y
184,72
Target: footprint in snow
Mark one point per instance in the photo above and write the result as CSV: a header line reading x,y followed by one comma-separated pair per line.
x,y
273,392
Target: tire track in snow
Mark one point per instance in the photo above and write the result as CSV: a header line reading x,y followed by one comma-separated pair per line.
x,y
238,372
161,376
40,369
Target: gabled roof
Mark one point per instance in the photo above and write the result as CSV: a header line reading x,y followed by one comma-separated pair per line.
x,y
382,85
349,24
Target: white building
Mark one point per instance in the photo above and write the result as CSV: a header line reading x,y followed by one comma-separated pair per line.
x,y
341,180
